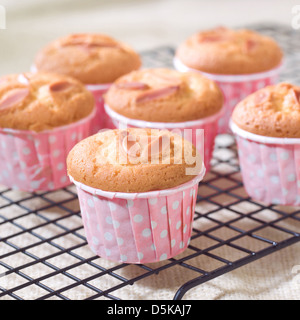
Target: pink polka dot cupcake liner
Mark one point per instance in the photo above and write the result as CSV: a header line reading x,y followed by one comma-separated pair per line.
x,y
31,161
235,88
201,133
100,121
270,167
138,228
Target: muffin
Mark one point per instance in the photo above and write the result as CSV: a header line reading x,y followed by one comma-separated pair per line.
x,y
42,101
136,208
42,116
167,99
226,51
94,59
241,61
127,155
90,58
273,112
266,125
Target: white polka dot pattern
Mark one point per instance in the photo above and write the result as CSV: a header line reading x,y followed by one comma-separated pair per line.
x,y
100,120
37,161
271,173
234,92
141,230
235,89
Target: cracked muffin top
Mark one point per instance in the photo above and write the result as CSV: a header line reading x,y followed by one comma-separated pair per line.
x,y
273,111
42,101
134,160
227,51
164,95
90,58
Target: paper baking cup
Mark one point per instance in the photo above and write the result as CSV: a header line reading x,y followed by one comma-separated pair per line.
x,y
202,134
138,227
32,161
100,121
270,167
235,87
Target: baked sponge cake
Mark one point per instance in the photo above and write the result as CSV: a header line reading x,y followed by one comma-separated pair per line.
x,y
134,160
164,95
273,111
88,57
42,101
226,51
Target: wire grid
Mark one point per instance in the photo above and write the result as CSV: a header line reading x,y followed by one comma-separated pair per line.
x,y
44,253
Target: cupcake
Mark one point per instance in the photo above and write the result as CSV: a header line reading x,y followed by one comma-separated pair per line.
x,y
168,99
240,61
42,116
94,59
137,190
267,128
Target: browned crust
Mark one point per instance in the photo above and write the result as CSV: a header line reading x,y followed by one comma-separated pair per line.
x,y
226,51
167,96
273,111
87,166
90,58
53,100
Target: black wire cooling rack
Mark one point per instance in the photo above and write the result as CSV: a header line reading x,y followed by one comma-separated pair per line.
x,y
44,253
